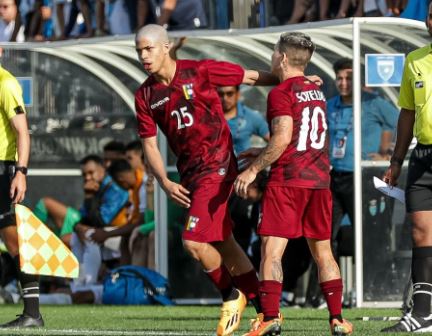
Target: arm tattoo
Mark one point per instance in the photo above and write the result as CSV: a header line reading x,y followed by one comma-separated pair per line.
x,y
281,126
277,272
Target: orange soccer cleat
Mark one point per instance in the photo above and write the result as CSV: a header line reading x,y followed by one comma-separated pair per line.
x,y
268,328
230,315
343,328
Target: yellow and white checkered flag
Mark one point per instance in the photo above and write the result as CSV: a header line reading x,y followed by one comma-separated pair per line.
x,y
41,251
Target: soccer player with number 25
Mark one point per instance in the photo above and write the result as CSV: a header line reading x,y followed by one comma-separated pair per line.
x,y
181,98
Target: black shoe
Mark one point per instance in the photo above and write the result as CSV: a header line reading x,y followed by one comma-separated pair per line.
x,y
24,321
409,323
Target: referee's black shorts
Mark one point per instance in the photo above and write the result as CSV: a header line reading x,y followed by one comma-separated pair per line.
x,y
5,200
418,192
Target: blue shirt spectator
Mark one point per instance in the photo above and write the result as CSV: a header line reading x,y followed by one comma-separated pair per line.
x,y
378,115
246,123
242,121
113,200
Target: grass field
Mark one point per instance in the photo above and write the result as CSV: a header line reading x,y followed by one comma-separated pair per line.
x,y
173,321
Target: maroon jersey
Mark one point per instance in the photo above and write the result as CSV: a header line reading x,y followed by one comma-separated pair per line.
x,y
189,113
305,162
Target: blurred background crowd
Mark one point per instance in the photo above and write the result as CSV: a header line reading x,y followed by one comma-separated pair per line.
x,y
48,20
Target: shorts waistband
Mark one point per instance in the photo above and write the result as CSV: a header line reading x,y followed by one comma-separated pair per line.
x,y
4,165
421,146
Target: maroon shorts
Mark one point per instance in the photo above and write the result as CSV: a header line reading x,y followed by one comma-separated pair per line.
x,y
208,217
291,212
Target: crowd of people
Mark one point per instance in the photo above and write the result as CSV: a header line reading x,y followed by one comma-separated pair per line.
x,y
48,20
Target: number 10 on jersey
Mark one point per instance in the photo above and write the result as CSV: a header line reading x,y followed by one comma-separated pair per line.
x,y
317,140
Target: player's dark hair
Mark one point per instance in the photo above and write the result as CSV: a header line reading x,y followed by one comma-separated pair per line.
x,y
297,46
342,64
119,166
115,146
134,145
92,158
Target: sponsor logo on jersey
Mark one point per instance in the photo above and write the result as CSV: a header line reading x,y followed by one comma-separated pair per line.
x,y
188,91
159,103
191,223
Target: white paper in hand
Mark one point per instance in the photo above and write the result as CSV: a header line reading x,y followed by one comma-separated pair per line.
x,y
394,192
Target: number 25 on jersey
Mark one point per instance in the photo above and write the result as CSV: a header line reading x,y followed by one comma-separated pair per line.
x,y
317,140
184,118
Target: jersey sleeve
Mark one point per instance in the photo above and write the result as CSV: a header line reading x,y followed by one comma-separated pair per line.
x,y
146,125
223,73
406,95
278,104
11,97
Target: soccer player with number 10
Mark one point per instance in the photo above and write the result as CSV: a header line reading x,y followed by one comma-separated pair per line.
x,y
297,200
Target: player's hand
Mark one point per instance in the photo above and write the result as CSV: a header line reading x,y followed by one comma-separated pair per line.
x,y
243,181
18,187
177,193
315,79
392,174
99,236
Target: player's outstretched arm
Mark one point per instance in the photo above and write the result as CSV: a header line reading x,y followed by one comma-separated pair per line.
x,y
258,77
265,78
175,191
281,137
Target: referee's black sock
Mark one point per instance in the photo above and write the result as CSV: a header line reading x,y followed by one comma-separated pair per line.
x,y
422,280
30,288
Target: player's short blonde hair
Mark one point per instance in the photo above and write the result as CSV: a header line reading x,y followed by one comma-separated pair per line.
x,y
297,46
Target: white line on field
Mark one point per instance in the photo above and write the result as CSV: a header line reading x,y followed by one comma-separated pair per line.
x,y
98,332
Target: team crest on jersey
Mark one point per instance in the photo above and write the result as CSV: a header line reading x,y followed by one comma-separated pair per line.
x,y
191,223
188,91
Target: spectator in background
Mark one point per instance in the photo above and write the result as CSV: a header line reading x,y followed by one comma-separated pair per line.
x,y
101,207
242,120
87,8
11,29
142,240
119,18
379,118
113,150
415,10
243,123
172,14
66,218
135,157
132,180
